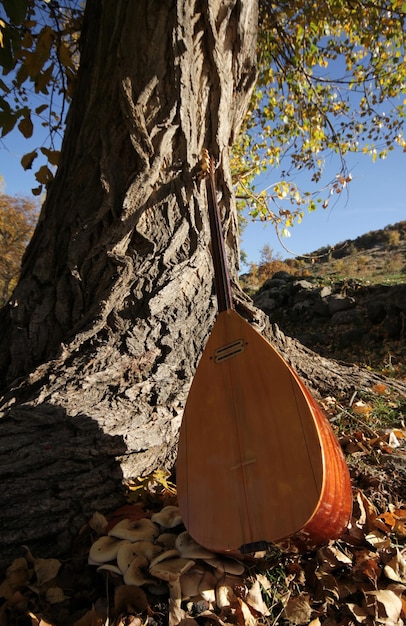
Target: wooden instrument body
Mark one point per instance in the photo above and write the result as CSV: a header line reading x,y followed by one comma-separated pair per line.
x,y
257,462
278,470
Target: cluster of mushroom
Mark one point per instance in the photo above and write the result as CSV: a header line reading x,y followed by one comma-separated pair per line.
x,y
158,554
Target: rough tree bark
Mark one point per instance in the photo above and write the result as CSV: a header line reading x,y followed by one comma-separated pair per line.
x,y
115,296
115,301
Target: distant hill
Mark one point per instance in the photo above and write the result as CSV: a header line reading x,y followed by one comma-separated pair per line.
x,y
346,302
378,257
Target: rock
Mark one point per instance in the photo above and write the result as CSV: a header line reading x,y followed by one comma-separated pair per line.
x,y
283,275
398,297
338,302
325,292
311,339
376,311
274,282
321,308
332,319
351,337
302,309
345,317
302,284
265,302
394,324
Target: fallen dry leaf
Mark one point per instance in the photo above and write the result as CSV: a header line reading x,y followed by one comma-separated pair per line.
x,y
90,618
367,566
298,609
384,606
46,570
98,523
17,574
378,540
255,600
362,408
244,615
225,597
54,595
331,558
380,389
396,568
130,598
367,513
359,613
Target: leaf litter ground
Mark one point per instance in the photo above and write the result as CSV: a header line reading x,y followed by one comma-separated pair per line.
x,y
112,576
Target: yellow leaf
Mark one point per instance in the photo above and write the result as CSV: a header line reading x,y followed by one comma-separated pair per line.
x,y
64,55
2,25
361,408
380,389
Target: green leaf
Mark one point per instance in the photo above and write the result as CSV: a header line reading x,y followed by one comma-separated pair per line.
x,y
16,10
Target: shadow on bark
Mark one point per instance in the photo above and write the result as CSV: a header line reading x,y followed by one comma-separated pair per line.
x,y
56,470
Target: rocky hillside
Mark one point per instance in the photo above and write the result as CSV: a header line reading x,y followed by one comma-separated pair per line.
x,y
379,256
347,320
347,317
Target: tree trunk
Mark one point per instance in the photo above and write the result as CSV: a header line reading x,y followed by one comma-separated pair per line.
x,y
115,301
102,334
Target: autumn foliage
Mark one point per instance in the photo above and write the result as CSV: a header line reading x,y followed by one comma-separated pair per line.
x,y
18,216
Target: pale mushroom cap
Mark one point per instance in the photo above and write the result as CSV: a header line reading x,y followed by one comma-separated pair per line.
x,y
168,517
104,549
171,569
125,555
137,572
128,551
167,540
190,549
199,581
148,549
225,564
163,556
189,583
109,567
135,530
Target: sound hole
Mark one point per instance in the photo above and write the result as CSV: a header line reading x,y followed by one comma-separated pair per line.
x,y
228,351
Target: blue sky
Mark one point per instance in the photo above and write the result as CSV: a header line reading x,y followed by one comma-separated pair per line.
x,y
376,198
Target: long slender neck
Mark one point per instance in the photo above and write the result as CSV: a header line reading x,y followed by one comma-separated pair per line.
x,y
222,278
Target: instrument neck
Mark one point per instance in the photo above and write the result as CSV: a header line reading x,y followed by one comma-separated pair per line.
x,y
222,278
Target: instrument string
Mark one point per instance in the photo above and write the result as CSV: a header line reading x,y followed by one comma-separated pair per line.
x,y
225,302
